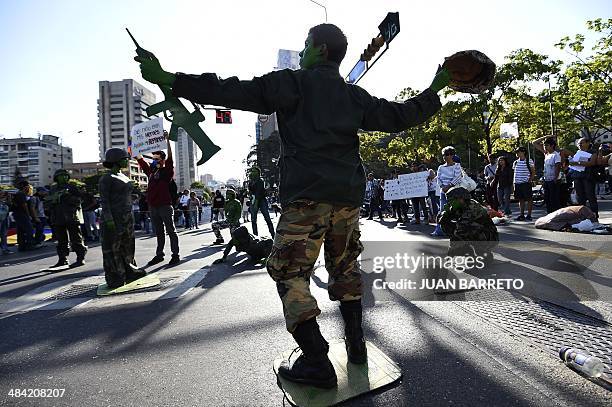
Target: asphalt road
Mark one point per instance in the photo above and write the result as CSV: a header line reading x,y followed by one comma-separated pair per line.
x,y
209,338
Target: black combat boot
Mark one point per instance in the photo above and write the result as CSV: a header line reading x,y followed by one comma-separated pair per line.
x,y
61,265
134,274
354,341
312,367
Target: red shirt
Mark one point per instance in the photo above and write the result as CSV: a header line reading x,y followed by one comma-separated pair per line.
x,y
158,191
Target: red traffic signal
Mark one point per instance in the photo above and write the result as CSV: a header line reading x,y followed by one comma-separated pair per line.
x,y
224,116
373,48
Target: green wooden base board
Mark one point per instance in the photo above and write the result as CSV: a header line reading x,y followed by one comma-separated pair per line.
x,y
353,380
148,281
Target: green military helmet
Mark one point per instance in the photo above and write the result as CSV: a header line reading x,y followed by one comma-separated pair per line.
x,y
59,172
457,193
114,155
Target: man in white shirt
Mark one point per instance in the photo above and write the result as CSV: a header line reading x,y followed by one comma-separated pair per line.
x,y
552,168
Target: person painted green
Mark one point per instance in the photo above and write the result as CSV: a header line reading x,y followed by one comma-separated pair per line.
x,y
322,183
258,249
469,226
232,210
66,217
117,232
259,202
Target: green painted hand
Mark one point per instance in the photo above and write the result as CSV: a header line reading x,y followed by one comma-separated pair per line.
x,y
110,226
441,80
152,71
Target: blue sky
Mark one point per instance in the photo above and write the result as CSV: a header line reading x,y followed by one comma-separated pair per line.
x,y
53,53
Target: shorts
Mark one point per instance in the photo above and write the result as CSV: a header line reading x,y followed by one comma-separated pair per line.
x,y
523,191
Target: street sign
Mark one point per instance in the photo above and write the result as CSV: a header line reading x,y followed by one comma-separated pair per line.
x,y
390,26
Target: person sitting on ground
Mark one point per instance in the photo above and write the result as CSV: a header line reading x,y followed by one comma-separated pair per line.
x,y
232,216
468,225
257,248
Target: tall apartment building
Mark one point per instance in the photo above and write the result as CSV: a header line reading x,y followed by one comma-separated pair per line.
x,y
206,178
185,161
121,105
37,158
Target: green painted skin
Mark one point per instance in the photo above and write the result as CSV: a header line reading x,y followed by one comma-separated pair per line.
x,y
312,55
123,163
63,179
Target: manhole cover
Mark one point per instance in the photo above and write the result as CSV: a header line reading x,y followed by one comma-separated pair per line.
x,y
76,291
90,290
546,324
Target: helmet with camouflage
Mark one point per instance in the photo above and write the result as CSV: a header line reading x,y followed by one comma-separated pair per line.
x,y
59,172
114,155
458,193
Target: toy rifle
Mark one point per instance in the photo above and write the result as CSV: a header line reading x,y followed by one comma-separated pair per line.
x,y
181,117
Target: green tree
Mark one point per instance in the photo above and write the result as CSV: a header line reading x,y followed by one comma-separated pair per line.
x,y
585,88
197,185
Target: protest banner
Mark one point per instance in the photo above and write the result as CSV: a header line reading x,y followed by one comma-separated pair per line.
x,y
147,137
407,186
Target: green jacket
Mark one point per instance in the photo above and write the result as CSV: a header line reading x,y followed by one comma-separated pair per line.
x,y
233,210
64,205
319,116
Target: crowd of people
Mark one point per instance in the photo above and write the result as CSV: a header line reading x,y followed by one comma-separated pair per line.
x,y
503,178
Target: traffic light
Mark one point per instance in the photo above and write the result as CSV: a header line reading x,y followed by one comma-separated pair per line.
x,y
224,116
373,48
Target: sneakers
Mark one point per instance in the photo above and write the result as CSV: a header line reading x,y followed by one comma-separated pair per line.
x,y
155,260
219,241
528,218
174,260
78,263
520,217
61,265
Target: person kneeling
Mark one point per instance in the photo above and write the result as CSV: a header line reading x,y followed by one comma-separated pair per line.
x,y
468,225
232,210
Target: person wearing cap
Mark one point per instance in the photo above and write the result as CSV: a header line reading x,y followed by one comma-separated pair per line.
x,y
65,215
467,223
449,174
161,210
232,210
547,145
117,232
524,172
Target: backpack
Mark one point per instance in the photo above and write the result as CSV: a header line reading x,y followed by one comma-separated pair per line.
x,y
173,191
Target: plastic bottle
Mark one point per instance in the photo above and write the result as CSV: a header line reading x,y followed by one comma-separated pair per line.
x,y
589,365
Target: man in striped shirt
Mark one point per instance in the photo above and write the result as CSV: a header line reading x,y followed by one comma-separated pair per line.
x,y
524,171
449,175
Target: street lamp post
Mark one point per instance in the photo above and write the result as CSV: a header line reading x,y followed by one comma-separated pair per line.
x,y
550,106
320,5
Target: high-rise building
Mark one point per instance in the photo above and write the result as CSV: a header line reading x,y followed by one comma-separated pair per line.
x,y
206,178
121,105
36,158
186,158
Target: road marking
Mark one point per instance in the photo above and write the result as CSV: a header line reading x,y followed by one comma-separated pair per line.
x,y
41,298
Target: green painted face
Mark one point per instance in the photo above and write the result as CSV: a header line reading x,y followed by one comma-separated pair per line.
x,y
123,163
230,195
254,175
63,179
311,55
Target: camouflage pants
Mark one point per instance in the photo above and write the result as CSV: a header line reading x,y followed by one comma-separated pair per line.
x,y
223,224
482,238
303,227
118,249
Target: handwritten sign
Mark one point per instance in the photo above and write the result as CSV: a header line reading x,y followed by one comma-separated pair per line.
x,y
407,186
148,137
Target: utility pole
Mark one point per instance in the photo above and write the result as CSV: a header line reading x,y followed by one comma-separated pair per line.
x,y
550,102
